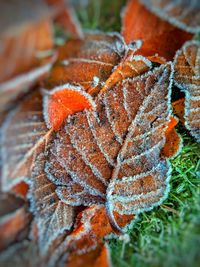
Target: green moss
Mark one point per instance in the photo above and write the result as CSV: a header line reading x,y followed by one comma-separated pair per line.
x,y
169,235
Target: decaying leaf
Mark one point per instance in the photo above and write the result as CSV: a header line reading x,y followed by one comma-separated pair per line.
x,y
109,152
14,219
187,78
157,35
183,14
178,108
63,101
88,62
22,135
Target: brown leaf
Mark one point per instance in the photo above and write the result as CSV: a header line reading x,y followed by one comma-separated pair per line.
x,y
14,219
22,135
183,14
109,152
187,78
88,62
156,34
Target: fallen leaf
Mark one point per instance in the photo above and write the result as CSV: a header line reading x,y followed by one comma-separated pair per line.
x,y
63,101
97,149
157,35
22,135
187,78
182,14
88,62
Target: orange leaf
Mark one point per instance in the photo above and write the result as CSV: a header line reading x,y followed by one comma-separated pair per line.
x,y
156,34
173,140
178,108
63,101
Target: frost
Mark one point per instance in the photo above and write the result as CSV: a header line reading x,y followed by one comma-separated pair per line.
x,y
183,14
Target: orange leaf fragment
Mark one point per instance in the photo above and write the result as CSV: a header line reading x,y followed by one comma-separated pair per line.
x,y
173,140
157,35
178,108
63,101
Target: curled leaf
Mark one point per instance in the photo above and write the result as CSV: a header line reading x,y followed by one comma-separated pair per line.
x,y
63,101
157,35
187,78
183,14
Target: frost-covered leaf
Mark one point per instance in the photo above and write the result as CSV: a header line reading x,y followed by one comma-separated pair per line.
x,y
14,219
187,78
88,62
157,35
183,13
52,216
120,141
63,101
85,243
23,133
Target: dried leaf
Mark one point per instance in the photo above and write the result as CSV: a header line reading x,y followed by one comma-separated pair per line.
x,y
22,135
94,147
187,78
183,14
156,34
88,62
14,219
63,101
